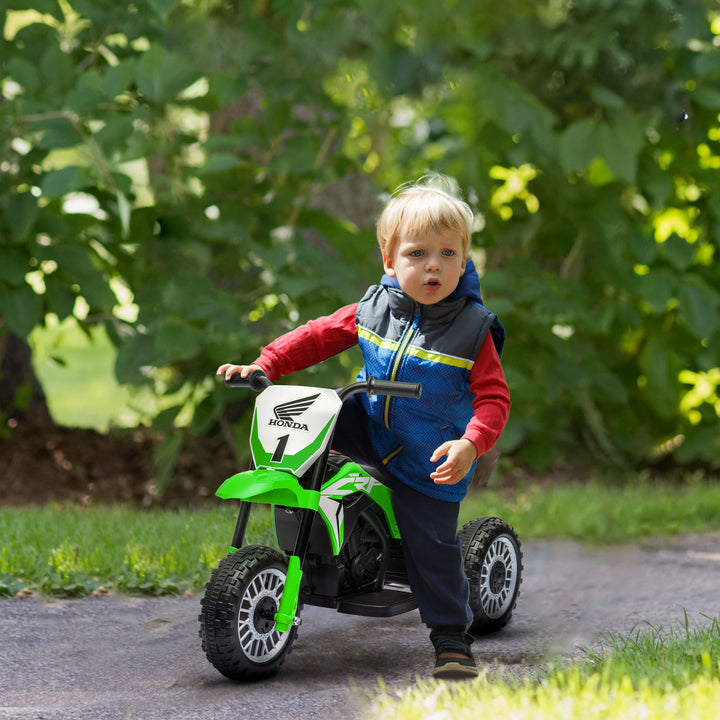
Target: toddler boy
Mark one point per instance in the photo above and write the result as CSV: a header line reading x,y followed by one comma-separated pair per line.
x,y
425,323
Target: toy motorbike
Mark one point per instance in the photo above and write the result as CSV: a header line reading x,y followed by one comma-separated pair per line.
x,y
339,544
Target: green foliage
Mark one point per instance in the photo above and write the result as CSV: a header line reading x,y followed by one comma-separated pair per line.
x,y
200,176
599,208
169,199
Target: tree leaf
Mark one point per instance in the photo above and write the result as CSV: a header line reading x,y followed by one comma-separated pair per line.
x,y
135,353
606,97
13,266
657,289
620,145
58,133
218,163
115,133
162,75
25,74
579,144
58,183
59,297
698,304
87,93
117,79
228,88
297,157
679,251
659,186
21,214
175,341
701,445
20,309
75,263
162,8
57,69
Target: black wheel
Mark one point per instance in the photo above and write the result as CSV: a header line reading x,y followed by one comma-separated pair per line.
x,y
237,625
493,565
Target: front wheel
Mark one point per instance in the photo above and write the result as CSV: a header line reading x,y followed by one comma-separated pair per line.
x,y
493,565
237,625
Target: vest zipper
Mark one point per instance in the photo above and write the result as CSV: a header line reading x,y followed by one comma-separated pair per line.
x,y
404,342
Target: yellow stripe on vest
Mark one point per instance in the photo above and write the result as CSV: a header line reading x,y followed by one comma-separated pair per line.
x,y
430,355
376,339
437,357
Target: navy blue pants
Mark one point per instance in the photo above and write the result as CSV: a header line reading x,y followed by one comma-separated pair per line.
x,y
428,527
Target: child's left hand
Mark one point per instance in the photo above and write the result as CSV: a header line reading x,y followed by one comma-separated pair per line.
x,y
461,455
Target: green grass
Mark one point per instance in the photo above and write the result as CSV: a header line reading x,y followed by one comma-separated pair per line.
x,y
66,550
658,657
654,676
70,550
603,513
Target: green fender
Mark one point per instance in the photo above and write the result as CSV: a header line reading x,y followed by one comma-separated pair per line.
x,y
273,487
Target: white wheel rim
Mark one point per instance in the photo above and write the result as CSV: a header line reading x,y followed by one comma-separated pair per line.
x,y
260,641
498,577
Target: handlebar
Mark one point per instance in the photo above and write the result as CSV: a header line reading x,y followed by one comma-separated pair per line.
x,y
393,387
372,386
257,380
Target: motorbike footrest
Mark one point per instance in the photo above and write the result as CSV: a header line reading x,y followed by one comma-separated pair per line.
x,y
381,603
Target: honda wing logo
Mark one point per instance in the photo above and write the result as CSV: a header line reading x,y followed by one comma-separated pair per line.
x,y
286,413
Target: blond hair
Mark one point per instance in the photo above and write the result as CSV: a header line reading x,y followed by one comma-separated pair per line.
x,y
422,207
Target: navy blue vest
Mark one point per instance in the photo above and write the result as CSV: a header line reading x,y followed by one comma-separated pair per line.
x,y
435,345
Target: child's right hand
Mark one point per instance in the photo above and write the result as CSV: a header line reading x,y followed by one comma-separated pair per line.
x,y
229,369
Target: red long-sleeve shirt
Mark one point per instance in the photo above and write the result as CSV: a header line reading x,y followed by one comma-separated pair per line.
x,y
319,339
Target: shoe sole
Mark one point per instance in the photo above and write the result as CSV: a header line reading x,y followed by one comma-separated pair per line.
x,y
455,671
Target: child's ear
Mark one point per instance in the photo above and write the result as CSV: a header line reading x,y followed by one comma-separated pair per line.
x,y
388,265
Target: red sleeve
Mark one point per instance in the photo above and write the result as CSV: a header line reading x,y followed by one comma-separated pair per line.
x,y
311,343
491,402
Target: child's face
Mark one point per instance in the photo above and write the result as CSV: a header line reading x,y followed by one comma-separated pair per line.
x,y
427,267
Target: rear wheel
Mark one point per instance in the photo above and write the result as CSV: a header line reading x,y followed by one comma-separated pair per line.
x,y
237,625
493,565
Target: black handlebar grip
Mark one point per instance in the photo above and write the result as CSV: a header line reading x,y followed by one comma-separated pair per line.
x,y
393,388
257,380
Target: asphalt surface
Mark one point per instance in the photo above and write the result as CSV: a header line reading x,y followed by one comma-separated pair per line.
x,y
118,658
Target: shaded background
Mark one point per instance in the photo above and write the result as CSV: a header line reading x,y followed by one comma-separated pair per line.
x,y
180,182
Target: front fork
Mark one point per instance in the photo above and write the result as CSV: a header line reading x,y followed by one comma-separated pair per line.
x,y
285,617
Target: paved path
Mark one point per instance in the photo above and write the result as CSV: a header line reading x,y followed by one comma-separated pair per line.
x,y
117,658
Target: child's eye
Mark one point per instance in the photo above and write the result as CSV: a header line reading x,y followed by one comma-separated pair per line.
x,y
416,253
448,252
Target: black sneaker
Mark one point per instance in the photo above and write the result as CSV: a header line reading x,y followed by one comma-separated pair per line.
x,y
453,658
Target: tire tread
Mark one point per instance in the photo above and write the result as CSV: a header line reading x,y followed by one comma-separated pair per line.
x,y
476,537
218,609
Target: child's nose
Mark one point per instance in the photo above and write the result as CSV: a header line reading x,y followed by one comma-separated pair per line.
x,y
433,262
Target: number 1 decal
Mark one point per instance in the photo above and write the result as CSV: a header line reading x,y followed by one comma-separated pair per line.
x,y
280,449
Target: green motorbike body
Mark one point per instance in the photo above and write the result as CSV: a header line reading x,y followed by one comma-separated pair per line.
x,y
290,433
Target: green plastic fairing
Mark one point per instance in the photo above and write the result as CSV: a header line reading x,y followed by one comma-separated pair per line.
x,y
274,487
